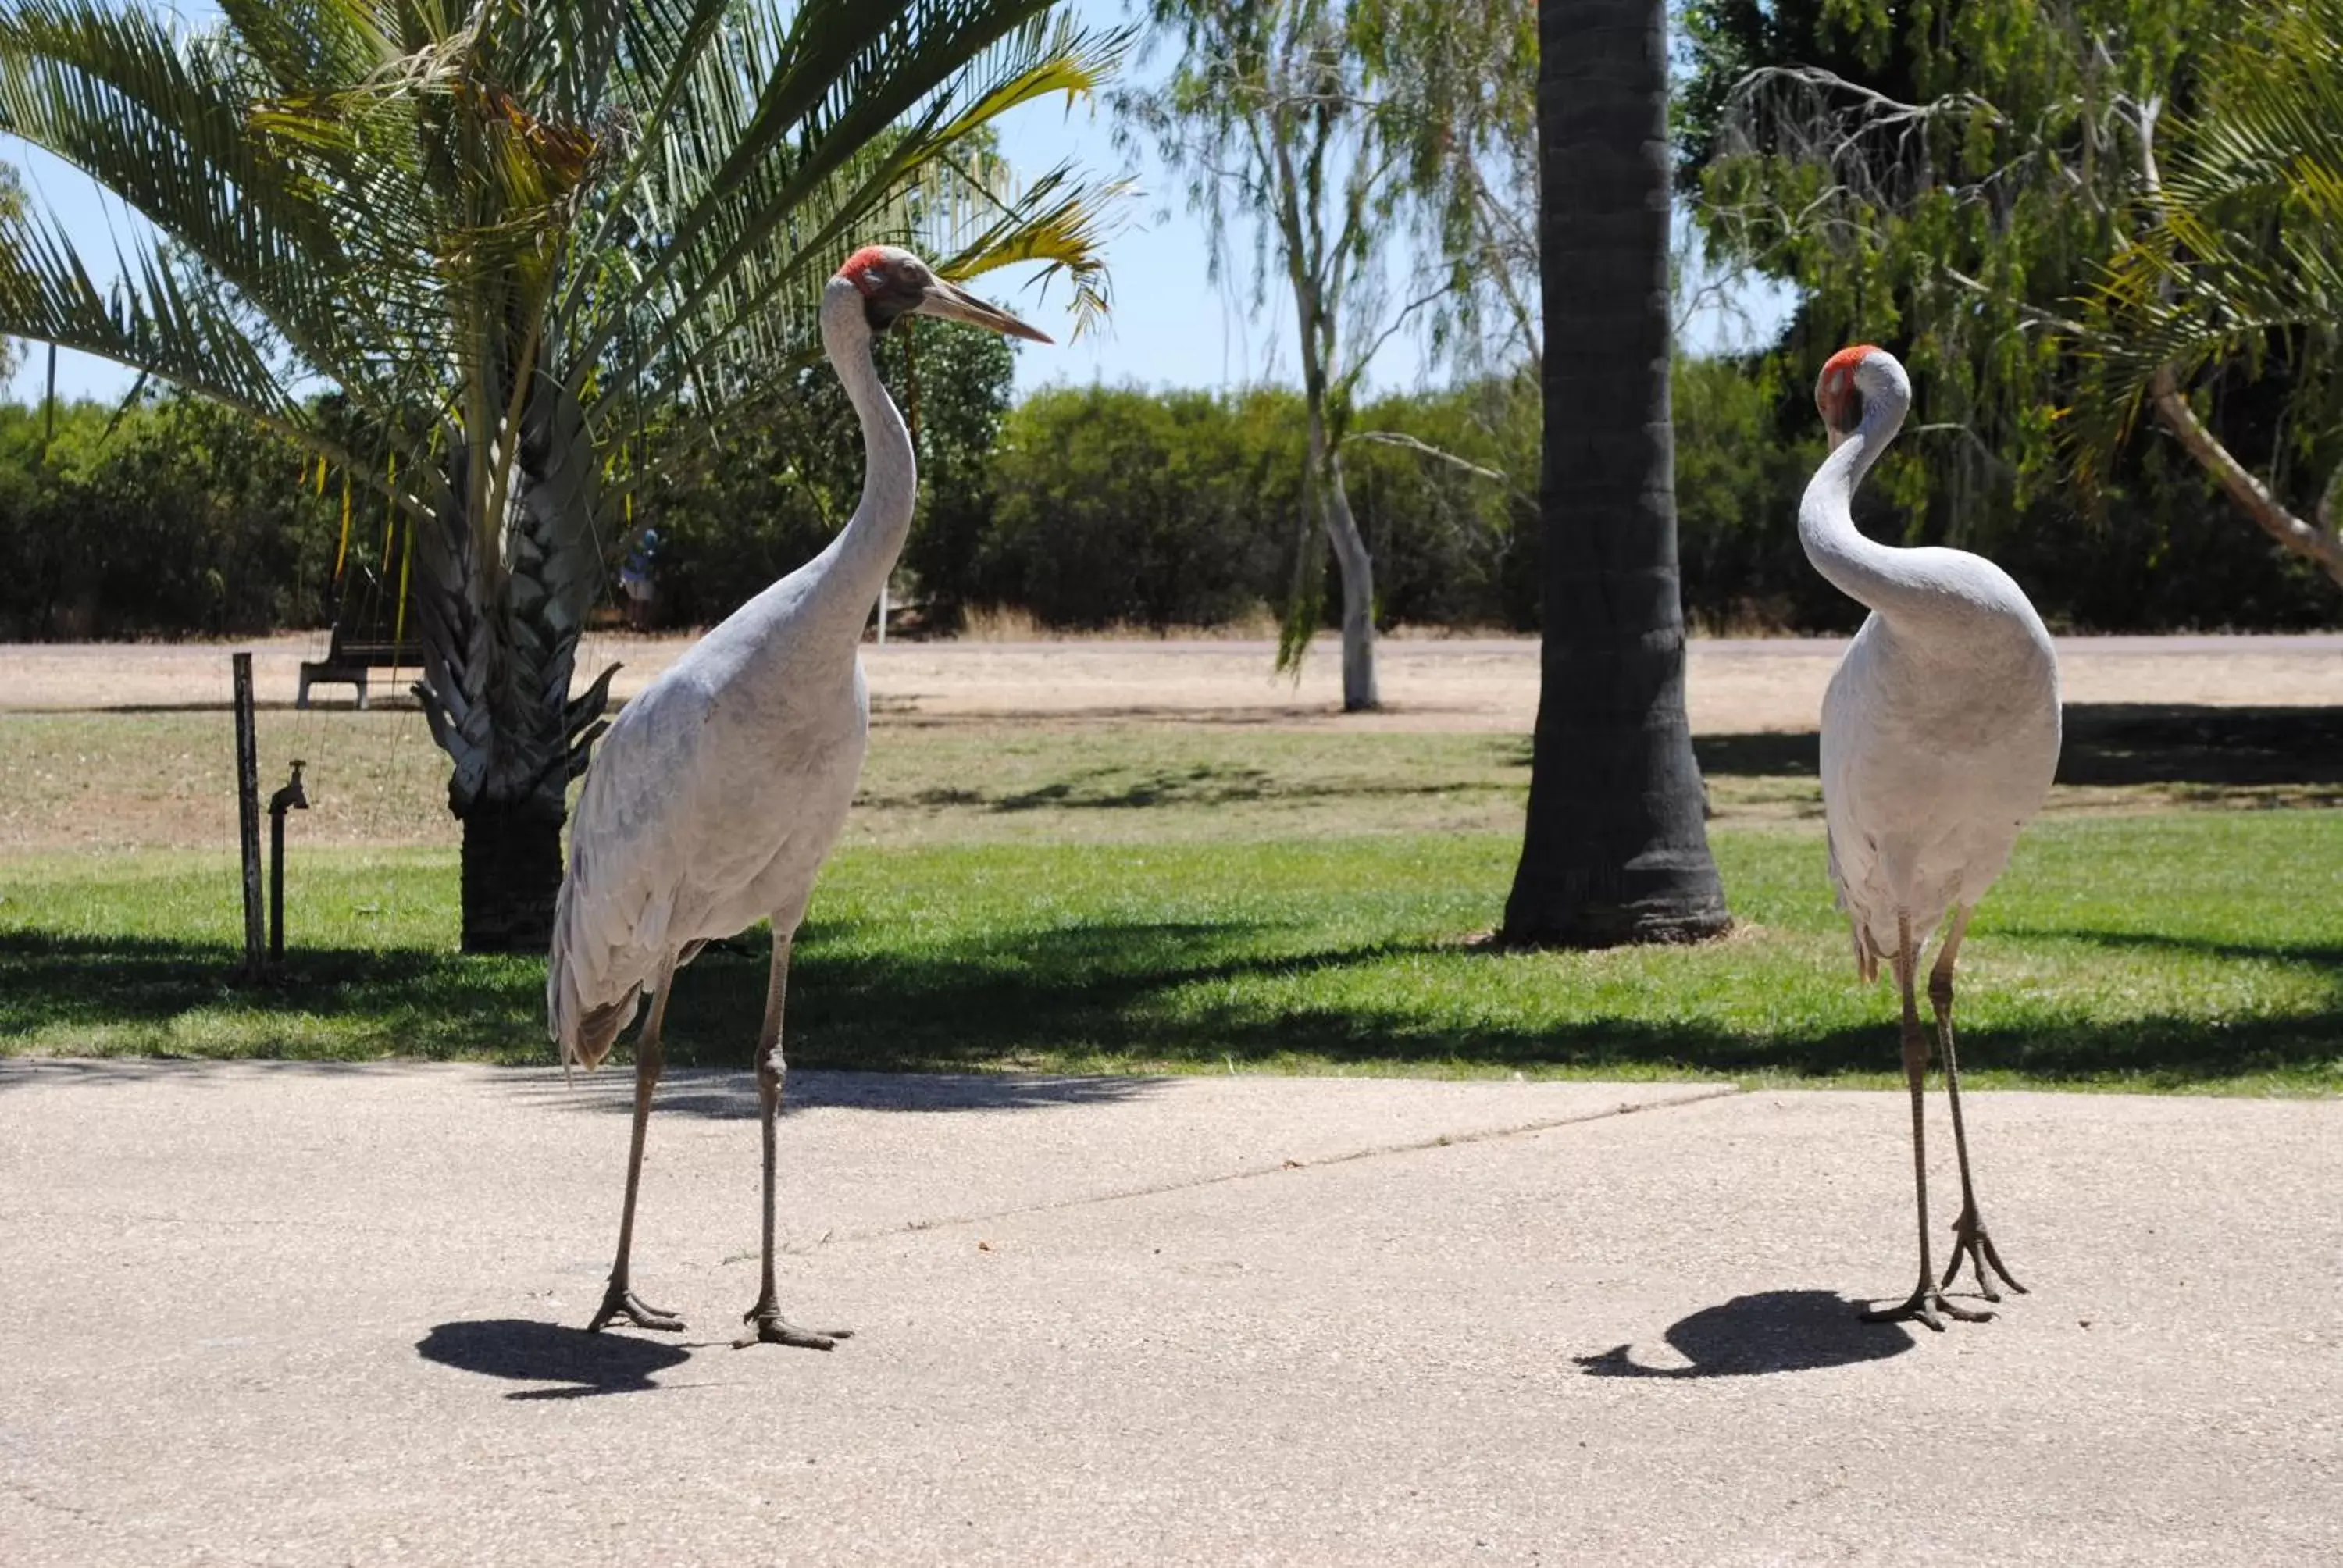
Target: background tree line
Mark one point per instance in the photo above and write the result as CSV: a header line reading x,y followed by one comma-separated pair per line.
x,y
2101,233
1994,213
1094,507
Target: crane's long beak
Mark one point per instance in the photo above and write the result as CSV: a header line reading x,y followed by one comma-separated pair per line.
x,y
956,304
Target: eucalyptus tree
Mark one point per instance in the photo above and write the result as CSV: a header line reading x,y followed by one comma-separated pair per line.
x,y
2239,262
1983,183
1946,176
1459,88
508,234
1269,114
1615,850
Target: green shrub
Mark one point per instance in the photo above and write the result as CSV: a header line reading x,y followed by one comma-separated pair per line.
x,y
1117,506
177,518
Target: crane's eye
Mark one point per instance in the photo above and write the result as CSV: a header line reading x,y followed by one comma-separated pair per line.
x,y
895,295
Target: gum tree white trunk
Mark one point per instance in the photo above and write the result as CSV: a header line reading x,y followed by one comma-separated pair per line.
x,y
1358,573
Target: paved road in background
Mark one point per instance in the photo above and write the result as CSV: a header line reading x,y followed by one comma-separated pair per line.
x,y
291,1313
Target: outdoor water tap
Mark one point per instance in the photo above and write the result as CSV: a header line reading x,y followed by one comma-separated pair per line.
x,y
290,796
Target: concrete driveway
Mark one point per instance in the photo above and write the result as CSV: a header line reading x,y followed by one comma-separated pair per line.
x,y
308,1314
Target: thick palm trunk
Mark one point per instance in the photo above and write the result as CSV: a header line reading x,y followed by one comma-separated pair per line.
x,y
512,871
1615,850
501,610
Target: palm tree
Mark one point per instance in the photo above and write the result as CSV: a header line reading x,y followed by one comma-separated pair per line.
x,y
1615,850
508,233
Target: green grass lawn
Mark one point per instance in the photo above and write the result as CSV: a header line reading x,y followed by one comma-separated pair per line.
x,y
166,779
2179,951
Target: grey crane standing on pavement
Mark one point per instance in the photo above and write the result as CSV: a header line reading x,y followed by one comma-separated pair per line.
x,y
1940,737
718,792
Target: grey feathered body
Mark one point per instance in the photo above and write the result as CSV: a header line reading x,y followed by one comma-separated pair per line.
x,y
1940,729
693,824
1938,744
713,800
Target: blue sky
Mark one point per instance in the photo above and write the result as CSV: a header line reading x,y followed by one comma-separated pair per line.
x,y
1171,325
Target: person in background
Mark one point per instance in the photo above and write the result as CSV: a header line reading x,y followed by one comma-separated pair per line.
x,y
635,581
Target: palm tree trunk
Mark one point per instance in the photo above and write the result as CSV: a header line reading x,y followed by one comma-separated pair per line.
x,y
512,872
499,647
496,692
1615,850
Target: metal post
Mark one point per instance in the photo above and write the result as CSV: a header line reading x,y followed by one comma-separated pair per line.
x,y
290,798
247,812
882,614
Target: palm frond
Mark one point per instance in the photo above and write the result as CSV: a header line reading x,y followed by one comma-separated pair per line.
x,y
163,125
800,188
1057,220
158,317
2242,241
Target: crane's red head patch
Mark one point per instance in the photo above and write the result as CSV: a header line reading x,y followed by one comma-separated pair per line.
x,y
869,268
1836,393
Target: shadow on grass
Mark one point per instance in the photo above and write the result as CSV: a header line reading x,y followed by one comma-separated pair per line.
x,y
1771,1332
1142,993
338,1002
2317,955
581,1365
2123,743
1201,784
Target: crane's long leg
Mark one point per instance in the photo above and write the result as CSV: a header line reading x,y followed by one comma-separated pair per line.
x,y
771,1327
619,1300
1927,1299
1970,1241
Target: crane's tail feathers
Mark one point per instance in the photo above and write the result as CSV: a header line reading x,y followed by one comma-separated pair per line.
x,y
584,1034
597,1031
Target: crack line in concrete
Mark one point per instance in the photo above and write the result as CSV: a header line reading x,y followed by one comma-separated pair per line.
x,y
24,1491
1440,1141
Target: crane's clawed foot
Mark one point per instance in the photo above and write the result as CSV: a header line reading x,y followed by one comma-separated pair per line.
x,y
622,1302
769,1327
1925,1304
1971,1244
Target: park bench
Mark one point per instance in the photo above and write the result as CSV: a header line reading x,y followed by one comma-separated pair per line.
x,y
348,659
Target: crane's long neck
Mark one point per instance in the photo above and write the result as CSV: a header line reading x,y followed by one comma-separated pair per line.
x,y
864,552
1890,580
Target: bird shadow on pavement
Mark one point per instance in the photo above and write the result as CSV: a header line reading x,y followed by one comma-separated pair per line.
x,y
1771,1332
730,1093
529,1352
